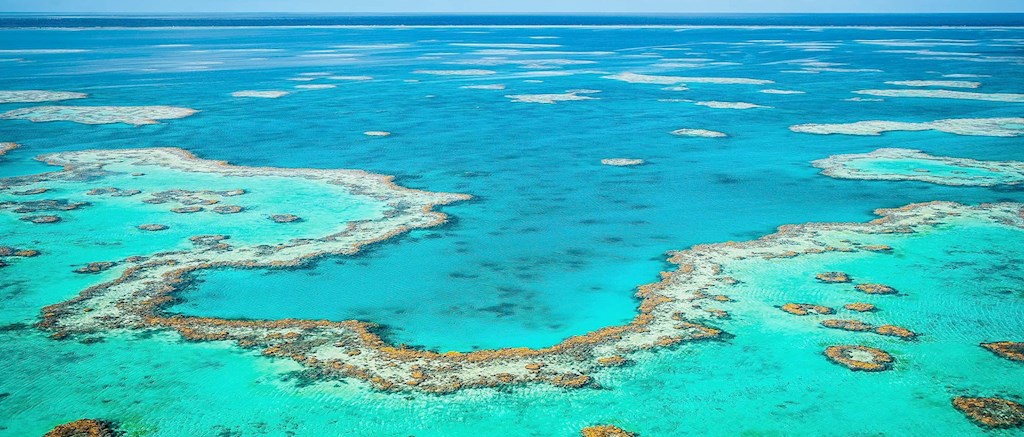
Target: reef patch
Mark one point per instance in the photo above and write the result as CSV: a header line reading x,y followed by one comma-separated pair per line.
x,y
862,358
915,165
36,96
991,412
989,127
133,115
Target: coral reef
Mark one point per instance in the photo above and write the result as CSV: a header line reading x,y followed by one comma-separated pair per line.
x,y
133,115
36,96
803,309
699,133
84,428
622,162
1010,350
833,277
875,289
946,94
285,218
961,171
95,267
152,227
991,412
855,357
41,219
993,127
552,98
860,307
666,315
7,147
272,94
605,431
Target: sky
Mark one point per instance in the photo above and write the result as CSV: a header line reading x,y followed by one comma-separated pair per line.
x,y
512,6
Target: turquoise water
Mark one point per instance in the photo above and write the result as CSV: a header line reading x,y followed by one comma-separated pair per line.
x,y
553,244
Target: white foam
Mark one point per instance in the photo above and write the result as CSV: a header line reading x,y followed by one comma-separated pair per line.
x,y
322,86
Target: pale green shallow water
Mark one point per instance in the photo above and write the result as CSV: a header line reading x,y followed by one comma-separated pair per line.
x,y
552,246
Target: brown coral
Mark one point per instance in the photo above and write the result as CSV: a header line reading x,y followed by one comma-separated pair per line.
x,y
847,325
95,267
605,431
41,219
803,309
991,412
855,357
152,227
833,277
285,218
860,307
875,289
1007,349
614,360
896,331
84,428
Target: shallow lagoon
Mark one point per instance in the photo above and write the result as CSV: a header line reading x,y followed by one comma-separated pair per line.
x,y
550,232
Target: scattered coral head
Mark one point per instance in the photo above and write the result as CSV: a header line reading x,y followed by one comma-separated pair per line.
x,y
833,277
84,428
863,358
803,309
875,289
1007,349
605,431
991,412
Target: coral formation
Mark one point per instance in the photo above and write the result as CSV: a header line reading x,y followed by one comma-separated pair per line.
x,y
41,219
833,277
622,162
133,115
953,171
803,309
605,431
84,428
875,289
1010,350
860,307
666,316
285,218
855,357
991,412
152,227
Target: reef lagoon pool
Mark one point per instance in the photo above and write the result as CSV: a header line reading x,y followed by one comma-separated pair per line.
x,y
659,228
